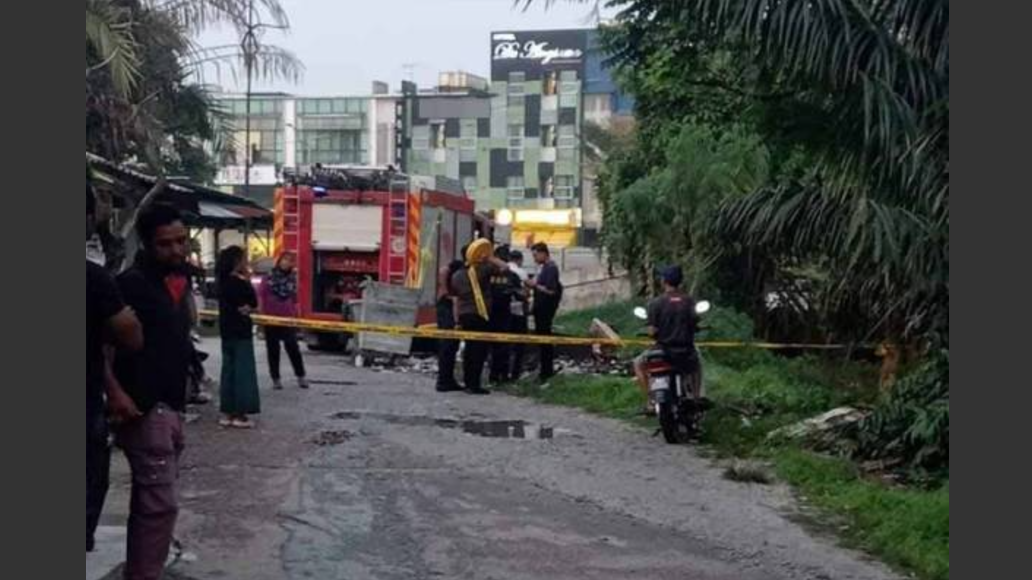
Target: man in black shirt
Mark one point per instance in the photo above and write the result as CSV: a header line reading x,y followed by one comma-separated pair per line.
x,y
672,323
548,296
108,321
157,287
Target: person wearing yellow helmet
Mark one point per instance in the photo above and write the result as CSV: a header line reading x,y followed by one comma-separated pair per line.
x,y
472,288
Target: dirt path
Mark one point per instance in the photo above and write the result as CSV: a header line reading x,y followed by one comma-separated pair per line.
x,y
375,476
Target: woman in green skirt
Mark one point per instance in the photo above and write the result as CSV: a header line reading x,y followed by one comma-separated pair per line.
x,y
237,300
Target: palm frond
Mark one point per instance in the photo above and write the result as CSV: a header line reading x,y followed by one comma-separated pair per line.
x,y
197,15
271,62
109,35
843,46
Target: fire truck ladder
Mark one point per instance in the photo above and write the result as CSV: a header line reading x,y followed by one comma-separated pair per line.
x,y
289,226
398,236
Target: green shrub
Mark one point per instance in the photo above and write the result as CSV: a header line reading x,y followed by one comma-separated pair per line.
x,y
913,424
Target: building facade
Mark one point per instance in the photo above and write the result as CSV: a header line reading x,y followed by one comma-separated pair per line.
x,y
515,141
288,132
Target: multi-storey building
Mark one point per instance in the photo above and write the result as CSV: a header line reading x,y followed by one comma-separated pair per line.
x,y
290,132
516,141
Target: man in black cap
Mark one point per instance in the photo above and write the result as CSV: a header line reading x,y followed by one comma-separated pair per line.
x,y
673,323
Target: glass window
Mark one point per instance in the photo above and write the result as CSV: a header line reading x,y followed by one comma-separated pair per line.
x,y
469,183
468,135
568,75
468,128
325,107
548,188
549,136
551,84
331,147
517,91
516,188
438,136
567,137
516,136
569,101
565,187
421,138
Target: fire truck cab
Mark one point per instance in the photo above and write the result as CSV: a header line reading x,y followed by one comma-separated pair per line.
x,y
351,225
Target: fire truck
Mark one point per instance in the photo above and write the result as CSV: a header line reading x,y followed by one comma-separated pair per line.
x,y
351,225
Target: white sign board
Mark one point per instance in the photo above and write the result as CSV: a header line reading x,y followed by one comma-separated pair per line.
x,y
236,175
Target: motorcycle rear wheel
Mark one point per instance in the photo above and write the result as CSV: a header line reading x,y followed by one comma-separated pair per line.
x,y
674,430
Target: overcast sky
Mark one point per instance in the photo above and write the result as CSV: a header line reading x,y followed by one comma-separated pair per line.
x,y
347,44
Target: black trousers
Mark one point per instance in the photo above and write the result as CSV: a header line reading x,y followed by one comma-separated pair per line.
x,y
501,322
447,350
476,352
518,325
543,320
274,337
98,465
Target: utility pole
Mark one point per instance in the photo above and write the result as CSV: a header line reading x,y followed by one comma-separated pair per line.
x,y
249,47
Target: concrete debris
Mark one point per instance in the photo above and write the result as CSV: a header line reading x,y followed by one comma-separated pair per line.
x,y
826,432
752,472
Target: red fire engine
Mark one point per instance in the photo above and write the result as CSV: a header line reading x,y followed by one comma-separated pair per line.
x,y
347,226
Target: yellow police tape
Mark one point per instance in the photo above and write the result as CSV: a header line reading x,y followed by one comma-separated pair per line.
x,y
528,339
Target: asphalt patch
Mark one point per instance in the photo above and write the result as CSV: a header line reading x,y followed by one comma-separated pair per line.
x,y
332,438
487,429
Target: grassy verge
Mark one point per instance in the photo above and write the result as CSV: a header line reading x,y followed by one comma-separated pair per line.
x,y
907,528
757,393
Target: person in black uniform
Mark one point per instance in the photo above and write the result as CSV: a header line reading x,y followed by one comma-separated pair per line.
x,y
448,350
472,287
502,291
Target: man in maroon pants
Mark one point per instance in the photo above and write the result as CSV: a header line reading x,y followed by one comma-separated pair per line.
x,y
149,396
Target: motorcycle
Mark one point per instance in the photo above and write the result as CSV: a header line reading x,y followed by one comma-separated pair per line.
x,y
674,378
